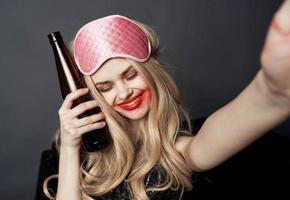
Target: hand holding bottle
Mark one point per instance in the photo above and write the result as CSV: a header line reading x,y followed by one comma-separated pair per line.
x,y
70,80
71,127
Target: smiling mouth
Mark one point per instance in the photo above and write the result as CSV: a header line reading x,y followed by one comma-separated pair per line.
x,y
132,104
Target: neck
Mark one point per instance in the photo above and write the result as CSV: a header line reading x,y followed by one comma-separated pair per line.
x,y
134,130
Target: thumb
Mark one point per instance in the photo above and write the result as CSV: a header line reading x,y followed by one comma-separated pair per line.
x,y
279,30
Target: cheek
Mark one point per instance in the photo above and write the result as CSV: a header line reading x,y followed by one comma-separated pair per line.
x,y
146,97
109,98
138,83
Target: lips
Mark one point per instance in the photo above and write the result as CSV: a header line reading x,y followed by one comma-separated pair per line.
x,y
131,104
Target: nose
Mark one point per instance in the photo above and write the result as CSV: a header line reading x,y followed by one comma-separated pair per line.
x,y
124,92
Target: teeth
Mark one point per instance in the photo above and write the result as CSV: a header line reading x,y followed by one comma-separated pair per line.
x,y
131,103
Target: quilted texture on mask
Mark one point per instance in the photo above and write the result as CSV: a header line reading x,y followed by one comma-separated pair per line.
x,y
109,37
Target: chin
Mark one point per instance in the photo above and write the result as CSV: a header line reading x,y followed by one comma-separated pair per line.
x,y
134,115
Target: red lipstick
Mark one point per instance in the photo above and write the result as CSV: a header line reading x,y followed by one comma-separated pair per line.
x,y
131,104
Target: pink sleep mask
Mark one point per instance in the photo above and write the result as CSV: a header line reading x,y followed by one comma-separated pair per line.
x,y
109,37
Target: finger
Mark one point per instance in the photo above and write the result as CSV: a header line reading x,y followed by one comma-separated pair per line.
x,y
91,127
281,20
89,120
71,97
280,26
81,108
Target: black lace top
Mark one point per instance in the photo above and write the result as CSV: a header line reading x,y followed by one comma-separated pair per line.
x,y
155,176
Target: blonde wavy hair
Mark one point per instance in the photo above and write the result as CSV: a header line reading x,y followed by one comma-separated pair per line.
x,y
122,160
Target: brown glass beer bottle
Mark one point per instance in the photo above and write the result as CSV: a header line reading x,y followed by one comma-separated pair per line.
x,y
70,79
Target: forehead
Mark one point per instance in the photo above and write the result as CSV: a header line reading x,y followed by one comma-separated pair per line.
x,y
112,67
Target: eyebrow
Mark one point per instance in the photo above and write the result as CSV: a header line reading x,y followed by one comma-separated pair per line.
x,y
123,73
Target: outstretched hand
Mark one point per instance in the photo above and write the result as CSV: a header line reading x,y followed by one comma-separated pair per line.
x,y
275,56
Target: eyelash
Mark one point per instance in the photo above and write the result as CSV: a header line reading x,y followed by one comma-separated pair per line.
x,y
104,90
131,76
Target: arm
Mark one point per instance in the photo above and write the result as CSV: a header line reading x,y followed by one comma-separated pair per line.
x,y
236,125
71,130
68,180
261,106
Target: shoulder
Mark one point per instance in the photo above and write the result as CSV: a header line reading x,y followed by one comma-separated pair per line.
x,y
183,139
182,143
184,146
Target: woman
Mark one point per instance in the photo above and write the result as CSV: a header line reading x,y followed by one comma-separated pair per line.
x,y
150,156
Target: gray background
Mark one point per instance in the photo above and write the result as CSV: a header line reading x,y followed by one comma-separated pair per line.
x,y
210,47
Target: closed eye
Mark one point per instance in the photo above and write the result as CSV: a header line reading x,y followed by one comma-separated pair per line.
x,y
105,89
132,75
129,76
